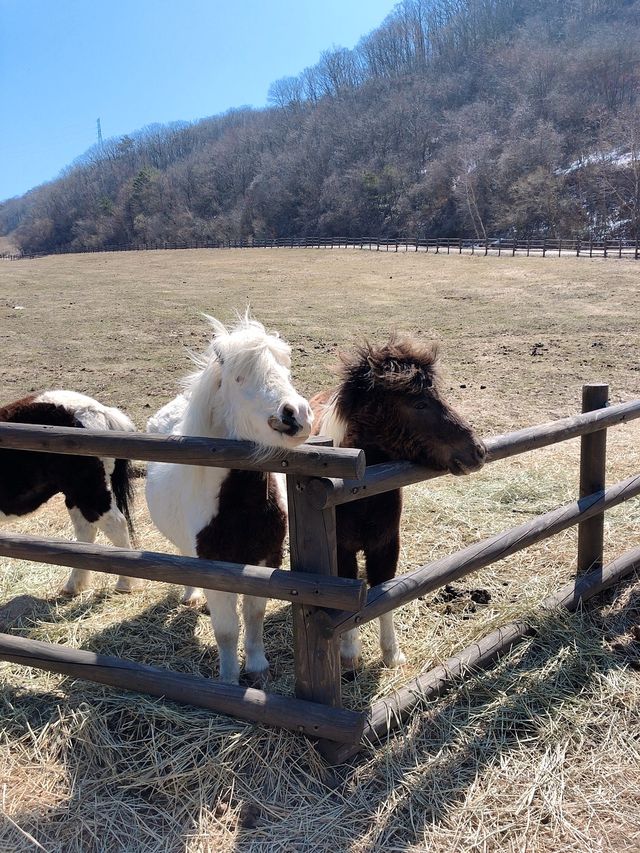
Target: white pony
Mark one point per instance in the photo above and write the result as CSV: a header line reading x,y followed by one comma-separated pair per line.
x,y
241,390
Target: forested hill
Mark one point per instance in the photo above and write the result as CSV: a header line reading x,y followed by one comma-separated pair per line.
x,y
453,118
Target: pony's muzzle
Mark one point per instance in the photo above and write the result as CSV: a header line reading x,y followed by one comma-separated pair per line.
x,y
287,425
472,460
290,421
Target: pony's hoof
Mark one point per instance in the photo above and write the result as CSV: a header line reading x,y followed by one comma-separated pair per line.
x,y
394,658
127,585
194,601
350,664
71,589
259,680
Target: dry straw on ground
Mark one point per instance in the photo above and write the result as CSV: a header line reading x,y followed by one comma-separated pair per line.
x,y
540,753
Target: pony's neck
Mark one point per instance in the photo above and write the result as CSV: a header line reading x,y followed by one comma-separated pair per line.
x,y
204,415
347,432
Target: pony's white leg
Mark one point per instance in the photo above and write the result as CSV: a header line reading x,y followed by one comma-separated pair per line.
x,y
391,653
256,663
193,596
85,531
350,649
114,526
226,627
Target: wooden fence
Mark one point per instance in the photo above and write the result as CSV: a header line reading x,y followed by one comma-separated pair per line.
x,y
551,247
320,478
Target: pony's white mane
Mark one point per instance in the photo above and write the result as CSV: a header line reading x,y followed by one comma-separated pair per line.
x,y
246,350
238,346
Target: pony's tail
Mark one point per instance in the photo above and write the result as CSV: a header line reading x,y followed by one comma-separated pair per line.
x,y
122,488
122,476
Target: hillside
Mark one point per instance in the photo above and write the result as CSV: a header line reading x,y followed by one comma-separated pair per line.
x,y
454,117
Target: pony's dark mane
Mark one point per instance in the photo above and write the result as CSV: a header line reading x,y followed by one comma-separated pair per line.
x,y
402,365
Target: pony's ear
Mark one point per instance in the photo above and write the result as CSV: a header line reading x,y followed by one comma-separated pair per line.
x,y
218,327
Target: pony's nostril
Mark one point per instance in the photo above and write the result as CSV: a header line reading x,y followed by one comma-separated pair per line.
x,y
288,411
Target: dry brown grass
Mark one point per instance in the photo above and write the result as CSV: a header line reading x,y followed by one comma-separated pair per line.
x,y
538,754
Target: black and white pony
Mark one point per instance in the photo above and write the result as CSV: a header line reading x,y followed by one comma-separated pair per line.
x,y
241,390
97,491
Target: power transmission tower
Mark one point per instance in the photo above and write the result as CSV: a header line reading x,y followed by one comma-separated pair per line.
x,y
99,132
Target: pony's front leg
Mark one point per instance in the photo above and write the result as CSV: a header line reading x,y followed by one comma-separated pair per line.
x,y
392,655
85,531
382,563
226,628
256,663
114,526
350,644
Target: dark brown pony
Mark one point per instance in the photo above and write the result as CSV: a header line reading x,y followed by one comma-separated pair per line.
x,y
390,404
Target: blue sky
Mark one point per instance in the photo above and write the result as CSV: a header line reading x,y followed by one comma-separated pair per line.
x,y
64,63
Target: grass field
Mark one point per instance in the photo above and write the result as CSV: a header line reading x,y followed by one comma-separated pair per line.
x,y
538,754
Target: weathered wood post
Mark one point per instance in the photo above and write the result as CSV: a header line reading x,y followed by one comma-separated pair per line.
x,y
312,535
593,453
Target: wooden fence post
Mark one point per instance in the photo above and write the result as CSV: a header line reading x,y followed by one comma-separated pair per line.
x,y
593,454
312,534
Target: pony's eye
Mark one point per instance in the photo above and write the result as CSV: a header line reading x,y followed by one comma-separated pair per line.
x,y
420,405
239,379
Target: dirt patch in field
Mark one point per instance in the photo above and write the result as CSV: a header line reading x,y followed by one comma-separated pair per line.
x,y
519,336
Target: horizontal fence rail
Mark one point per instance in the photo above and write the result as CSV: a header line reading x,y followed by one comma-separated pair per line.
x,y
297,587
610,247
306,459
407,587
394,475
389,712
305,717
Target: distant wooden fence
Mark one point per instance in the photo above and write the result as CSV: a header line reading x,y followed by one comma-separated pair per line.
x,y
320,478
580,248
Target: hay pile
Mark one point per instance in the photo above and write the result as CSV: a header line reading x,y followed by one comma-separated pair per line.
x,y
539,753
